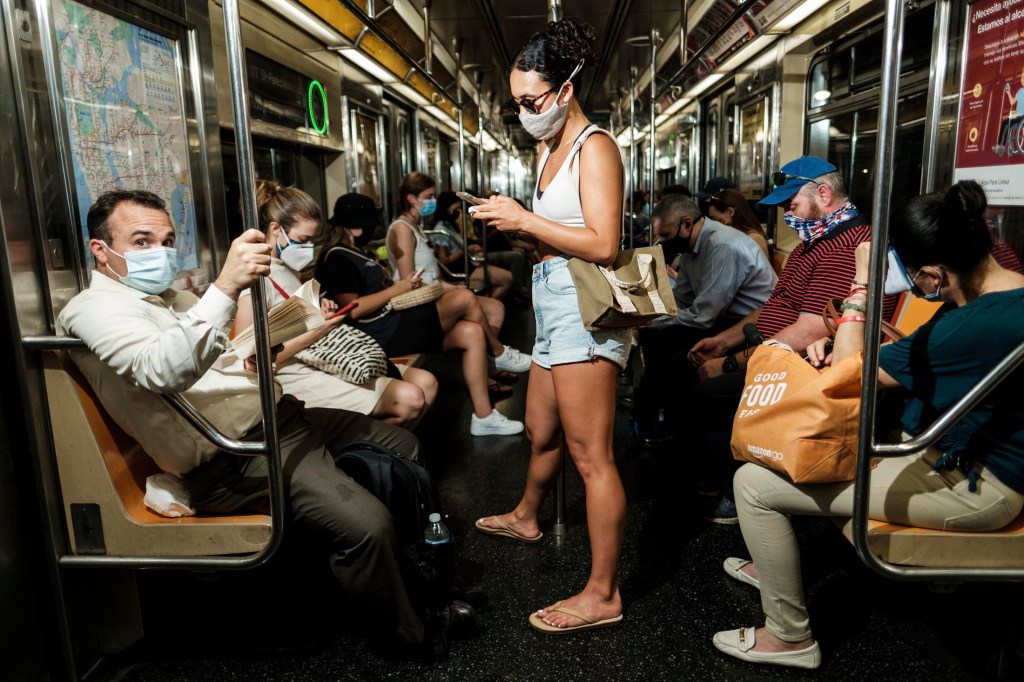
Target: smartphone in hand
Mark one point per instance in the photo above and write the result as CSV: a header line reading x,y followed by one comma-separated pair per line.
x,y
347,308
470,199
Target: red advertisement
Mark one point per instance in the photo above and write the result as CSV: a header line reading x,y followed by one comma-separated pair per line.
x,y
990,133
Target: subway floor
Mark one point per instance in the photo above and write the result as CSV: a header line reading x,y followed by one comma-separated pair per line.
x,y
280,622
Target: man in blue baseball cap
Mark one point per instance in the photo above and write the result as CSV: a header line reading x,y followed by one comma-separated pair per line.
x,y
813,195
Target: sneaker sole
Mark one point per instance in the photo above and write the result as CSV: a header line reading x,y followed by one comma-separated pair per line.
x,y
723,521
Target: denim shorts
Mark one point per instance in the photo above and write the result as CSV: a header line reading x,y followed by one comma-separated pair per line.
x,y
561,338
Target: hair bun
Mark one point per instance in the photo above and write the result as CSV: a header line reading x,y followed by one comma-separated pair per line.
x,y
965,201
574,39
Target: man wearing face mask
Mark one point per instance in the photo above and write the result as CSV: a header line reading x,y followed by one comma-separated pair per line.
x,y
819,268
145,339
722,277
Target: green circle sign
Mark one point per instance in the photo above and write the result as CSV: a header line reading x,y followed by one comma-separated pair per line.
x,y
320,128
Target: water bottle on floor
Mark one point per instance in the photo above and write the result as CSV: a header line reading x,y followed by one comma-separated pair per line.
x,y
436,532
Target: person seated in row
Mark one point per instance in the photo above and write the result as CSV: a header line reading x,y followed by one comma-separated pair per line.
x,y
410,252
820,268
723,276
452,322
730,207
290,219
972,481
145,339
450,250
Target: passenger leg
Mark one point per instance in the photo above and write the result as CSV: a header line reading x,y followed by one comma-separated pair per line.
x,y
353,522
544,430
463,304
469,338
588,434
402,403
499,279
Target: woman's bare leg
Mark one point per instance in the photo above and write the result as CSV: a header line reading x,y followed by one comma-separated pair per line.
x,y
500,280
588,433
545,433
469,337
463,304
402,403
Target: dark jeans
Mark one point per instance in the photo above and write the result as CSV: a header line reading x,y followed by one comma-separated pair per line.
x,y
713,404
355,524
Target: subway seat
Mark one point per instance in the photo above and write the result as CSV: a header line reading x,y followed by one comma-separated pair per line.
x,y
907,546
104,468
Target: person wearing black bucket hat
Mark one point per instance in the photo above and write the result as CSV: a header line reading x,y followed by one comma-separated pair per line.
x,y
710,189
358,214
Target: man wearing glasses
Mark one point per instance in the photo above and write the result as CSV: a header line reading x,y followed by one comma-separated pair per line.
x,y
813,196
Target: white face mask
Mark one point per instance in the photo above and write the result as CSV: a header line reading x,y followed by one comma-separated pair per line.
x,y
296,255
546,124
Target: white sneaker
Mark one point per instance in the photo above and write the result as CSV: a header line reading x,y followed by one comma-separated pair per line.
x,y
494,424
511,360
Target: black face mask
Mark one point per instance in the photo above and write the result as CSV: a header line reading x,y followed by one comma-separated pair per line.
x,y
454,216
364,238
675,245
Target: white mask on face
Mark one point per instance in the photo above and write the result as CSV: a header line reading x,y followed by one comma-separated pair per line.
x,y
296,255
544,125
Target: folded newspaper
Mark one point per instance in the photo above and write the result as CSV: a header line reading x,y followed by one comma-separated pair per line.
x,y
296,315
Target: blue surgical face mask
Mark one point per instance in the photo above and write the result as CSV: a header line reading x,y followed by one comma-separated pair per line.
x,y
428,207
149,270
897,279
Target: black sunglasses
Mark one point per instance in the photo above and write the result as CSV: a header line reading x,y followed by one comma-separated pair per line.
x,y
528,103
781,178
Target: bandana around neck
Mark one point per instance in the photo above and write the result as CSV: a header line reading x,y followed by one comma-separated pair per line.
x,y
811,230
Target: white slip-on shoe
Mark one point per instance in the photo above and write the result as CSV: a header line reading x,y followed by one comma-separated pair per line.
x,y
734,569
494,424
738,644
512,360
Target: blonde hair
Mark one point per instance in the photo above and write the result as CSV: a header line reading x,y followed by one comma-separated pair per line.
x,y
284,206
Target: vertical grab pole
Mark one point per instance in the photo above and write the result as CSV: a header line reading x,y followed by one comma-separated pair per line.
x,y
559,500
457,49
632,148
480,172
892,47
651,143
247,186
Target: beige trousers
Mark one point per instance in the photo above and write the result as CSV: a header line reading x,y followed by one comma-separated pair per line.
x,y
904,490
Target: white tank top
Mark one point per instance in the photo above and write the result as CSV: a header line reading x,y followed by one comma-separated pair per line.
x,y
422,256
560,202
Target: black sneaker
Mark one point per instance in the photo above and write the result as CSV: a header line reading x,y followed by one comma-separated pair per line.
x,y
720,510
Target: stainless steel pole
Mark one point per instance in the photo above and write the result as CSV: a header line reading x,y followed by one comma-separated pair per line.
x,y
457,49
428,45
651,144
632,148
481,191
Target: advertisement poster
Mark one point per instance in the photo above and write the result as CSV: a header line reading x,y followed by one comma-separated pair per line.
x,y
990,133
753,120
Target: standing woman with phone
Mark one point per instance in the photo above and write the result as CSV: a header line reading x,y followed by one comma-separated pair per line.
x,y
577,213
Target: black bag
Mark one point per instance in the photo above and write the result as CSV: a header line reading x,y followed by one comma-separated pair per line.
x,y
408,491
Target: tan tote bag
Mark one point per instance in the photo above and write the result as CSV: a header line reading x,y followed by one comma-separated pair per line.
x,y
632,292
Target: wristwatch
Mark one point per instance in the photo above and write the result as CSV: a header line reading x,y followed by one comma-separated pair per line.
x,y
730,364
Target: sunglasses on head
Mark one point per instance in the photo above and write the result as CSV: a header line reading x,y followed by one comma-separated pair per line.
x,y
529,103
780,178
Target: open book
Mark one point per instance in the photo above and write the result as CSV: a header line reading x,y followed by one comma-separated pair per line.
x,y
296,315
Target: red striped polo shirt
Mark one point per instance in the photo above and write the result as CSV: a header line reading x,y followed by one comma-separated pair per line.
x,y
814,273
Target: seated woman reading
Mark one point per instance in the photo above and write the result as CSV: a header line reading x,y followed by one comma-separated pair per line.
x,y
974,480
291,221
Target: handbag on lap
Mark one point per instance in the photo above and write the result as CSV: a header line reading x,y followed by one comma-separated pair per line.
x,y
428,293
347,353
798,420
631,292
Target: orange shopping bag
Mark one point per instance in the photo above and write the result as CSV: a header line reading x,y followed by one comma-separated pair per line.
x,y
798,420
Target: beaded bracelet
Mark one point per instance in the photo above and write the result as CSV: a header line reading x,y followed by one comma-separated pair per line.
x,y
854,306
850,318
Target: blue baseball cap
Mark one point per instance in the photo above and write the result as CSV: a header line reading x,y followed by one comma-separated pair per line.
x,y
793,176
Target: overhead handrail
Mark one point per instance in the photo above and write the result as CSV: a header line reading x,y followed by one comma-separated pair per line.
x,y
868,448
370,22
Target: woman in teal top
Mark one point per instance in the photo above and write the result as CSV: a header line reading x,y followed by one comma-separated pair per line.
x,y
974,480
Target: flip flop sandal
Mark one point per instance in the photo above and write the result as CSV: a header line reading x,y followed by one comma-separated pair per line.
x,y
507,378
502,530
588,623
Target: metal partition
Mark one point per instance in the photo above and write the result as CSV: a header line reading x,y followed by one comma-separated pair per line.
x,y
868,448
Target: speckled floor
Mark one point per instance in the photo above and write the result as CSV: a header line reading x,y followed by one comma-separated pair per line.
x,y
265,625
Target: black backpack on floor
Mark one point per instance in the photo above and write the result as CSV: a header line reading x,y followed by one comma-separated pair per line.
x,y
408,491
